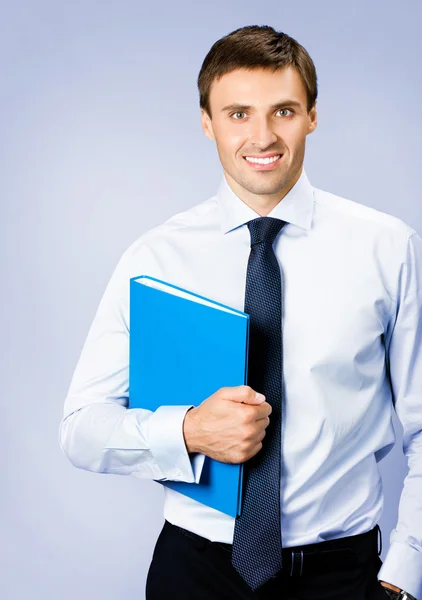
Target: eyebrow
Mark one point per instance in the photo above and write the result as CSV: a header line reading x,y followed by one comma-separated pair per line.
x,y
277,106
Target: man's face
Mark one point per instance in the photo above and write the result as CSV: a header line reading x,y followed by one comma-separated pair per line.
x,y
258,114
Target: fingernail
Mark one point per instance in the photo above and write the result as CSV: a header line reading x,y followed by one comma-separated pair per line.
x,y
260,397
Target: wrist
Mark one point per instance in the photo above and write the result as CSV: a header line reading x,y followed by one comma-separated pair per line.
x,y
390,586
189,431
394,592
398,595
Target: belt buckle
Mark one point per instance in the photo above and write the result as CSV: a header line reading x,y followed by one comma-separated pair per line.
x,y
297,563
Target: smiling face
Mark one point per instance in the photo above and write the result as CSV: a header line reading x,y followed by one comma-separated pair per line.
x,y
259,121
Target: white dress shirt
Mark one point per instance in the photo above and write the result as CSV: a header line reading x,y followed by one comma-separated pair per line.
x,y
352,333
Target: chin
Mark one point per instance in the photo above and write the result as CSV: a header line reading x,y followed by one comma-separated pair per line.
x,y
266,187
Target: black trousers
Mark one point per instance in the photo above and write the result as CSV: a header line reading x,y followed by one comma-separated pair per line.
x,y
186,566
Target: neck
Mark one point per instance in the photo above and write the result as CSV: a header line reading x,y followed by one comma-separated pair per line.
x,y
262,204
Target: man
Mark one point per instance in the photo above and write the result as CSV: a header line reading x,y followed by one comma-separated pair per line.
x,y
334,293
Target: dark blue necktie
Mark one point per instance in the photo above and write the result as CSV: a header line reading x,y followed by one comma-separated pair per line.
x,y
256,551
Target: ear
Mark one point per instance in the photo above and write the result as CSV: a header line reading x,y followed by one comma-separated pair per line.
x,y
207,125
313,121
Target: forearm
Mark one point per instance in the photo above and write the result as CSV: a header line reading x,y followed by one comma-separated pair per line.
x,y
108,438
403,562
99,432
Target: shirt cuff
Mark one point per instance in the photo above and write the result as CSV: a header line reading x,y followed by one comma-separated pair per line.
x,y
168,446
403,567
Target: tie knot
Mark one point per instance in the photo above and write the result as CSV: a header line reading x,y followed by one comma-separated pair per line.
x,y
264,229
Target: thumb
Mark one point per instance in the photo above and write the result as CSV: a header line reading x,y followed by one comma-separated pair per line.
x,y
243,394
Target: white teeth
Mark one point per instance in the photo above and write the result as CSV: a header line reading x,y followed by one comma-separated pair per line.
x,y
263,161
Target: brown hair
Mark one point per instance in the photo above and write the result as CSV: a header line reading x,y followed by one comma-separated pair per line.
x,y
256,46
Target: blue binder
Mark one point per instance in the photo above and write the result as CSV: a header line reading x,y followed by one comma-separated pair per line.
x,y
184,347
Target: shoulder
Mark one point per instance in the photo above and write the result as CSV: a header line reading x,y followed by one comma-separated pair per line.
x,y
362,217
199,215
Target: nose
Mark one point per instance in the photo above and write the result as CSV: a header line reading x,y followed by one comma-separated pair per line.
x,y
262,134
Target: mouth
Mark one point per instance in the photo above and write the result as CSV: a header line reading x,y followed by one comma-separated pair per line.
x,y
264,163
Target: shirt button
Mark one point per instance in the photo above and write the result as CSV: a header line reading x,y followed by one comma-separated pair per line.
x,y
177,472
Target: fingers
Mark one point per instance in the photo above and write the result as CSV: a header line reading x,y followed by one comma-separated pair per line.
x,y
242,393
263,423
259,430
256,449
263,411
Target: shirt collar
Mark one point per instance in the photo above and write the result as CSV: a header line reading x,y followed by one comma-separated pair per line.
x,y
296,207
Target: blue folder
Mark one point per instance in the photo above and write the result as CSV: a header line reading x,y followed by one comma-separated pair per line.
x,y
184,347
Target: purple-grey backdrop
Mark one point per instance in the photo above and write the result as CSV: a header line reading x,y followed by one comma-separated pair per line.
x,y
100,141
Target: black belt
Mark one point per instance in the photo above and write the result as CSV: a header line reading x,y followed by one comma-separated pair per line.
x,y
314,558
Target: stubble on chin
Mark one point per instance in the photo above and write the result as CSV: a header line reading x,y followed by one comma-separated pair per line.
x,y
264,187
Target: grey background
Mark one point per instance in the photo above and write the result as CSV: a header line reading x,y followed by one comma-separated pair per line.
x,y
100,140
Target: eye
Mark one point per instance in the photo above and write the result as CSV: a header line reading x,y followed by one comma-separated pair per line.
x,y
238,113
285,110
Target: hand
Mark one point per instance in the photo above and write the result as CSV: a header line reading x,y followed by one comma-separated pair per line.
x,y
390,586
395,590
229,426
